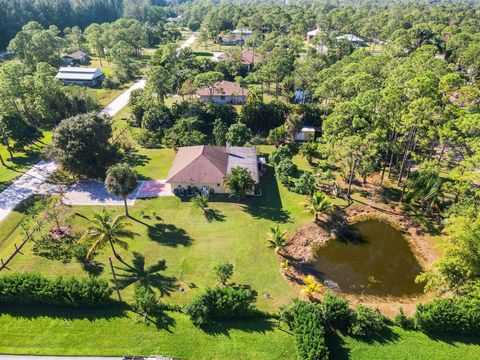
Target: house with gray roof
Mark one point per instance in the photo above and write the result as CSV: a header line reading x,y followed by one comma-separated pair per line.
x,y
75,58
205,167
80,76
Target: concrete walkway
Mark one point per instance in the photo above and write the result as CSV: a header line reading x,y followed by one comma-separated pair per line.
x,y
25,186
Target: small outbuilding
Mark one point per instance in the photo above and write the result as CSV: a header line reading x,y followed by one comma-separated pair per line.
x,y
307,133
76,58
352,39
80,76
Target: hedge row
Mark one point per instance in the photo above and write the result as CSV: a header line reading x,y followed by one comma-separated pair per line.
x,y
31,288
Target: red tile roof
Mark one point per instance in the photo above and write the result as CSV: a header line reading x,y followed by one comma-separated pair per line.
x,y
249,57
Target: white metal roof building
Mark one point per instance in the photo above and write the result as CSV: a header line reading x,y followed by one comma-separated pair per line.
x,y
80,76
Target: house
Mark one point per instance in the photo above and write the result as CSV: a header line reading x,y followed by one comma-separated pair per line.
x,y
80,76
205,167
242,31
307,133
249,58
234,39
76,58
353,39
312,33
224,92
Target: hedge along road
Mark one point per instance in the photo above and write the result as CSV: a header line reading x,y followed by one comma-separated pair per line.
x,y
32,180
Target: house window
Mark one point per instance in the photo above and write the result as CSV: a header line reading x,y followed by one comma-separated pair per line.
x,y
222,97
218,185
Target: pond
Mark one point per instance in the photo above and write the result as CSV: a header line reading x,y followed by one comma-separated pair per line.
x,y
373,258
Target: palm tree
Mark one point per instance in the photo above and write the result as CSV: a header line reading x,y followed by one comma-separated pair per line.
x,y
121,180
311,286
276,239
147,277
308,151
107,230
318,204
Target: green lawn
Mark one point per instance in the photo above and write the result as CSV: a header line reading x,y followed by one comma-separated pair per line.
x,y
22,160
112,331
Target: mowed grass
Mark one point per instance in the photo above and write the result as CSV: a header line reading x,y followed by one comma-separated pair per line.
x,y
22,160
112,331
189,242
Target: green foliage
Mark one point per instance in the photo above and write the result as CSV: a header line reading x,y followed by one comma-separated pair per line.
x,y
148,139
81,145
336,312
404,321
238,135
458,315
201,201
366,322
18,130
305,319
239,181
304,184
184,133
121,180
31,288
222,303
219,132
279,154
222,272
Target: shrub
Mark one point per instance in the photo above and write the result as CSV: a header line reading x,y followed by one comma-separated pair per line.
x,y
148,139
457,315
31,288
282,152
220,303
366,322
286,168
304,184
305,319
336,312
111,82
404,321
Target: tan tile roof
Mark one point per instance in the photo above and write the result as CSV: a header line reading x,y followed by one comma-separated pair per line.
x,y
223,88
249,57
209,164
199,164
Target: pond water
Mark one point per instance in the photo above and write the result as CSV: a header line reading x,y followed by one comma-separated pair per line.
x,y
372,259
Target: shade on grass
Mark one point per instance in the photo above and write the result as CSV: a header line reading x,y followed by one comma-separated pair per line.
x,y
113,332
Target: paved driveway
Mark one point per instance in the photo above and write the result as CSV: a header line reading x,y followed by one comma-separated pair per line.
x,y
122,100
25,186
94,193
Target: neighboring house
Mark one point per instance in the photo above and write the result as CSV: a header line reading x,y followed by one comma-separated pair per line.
x,y
205,167
234,39
249,58
76,58
224,92
243,31
312,33
353,39
307,133
80,76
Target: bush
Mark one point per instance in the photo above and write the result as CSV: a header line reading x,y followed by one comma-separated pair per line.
x,y
457,315
282,152
304,184
31,288
148,139
336,312
111,82
366,322
220,303
404,321
305,319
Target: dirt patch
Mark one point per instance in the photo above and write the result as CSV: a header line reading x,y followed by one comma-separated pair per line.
x,y
302,243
